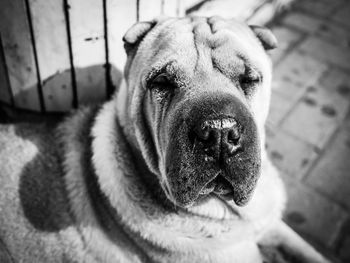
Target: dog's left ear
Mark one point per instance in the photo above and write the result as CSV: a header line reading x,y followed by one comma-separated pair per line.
x,y
266,37
136,33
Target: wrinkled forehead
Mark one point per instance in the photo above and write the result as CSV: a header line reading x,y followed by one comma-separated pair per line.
x,y
198,42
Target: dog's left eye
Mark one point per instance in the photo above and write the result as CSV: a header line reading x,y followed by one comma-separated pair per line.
x,y
249,81
246,80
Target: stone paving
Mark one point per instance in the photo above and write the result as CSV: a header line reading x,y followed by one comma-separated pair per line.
x,y
308,129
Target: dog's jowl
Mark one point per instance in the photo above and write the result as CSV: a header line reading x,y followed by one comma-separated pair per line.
x,y
172,169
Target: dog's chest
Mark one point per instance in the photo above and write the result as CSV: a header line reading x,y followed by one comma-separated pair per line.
x,y
246,252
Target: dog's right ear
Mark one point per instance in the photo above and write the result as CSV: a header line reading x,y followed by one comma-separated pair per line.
x,y
136,33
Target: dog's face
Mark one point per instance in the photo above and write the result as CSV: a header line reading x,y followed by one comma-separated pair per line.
x,y
198,98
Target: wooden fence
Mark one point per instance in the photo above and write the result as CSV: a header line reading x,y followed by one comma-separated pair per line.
x,y
58,54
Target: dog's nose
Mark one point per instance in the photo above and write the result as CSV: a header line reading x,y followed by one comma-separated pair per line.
x,y
219,136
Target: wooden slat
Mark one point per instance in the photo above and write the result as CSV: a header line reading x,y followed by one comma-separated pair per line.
x,y
121,15
51,41
149,9
237,9
180,8
169,8
89,57
19,54
5,89
190,3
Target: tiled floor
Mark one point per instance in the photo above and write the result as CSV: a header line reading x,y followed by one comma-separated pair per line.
x,y
309,123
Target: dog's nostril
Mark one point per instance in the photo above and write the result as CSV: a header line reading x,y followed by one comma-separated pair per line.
x,y
233,136
207,134
204,133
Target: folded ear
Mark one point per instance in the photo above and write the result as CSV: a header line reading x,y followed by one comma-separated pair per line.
x,y
136,33
266,37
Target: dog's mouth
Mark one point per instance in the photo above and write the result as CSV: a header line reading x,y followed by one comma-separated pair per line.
x,y
219,186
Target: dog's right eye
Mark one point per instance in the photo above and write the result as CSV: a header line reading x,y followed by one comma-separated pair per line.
x,y
161,80
249,81
162,87
162,83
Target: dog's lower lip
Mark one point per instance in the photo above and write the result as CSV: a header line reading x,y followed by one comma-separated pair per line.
x,y
206,191
226,194
222,190
218,186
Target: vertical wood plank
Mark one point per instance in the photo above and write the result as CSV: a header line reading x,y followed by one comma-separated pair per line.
x,y
109,84
180,8
5,89
89,57
51,41
30,23
19,54
170,8
121,15
150,9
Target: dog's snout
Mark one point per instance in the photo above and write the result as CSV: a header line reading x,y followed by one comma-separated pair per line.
x,y
219,135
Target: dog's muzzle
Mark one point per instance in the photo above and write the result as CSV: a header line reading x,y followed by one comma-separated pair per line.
x,y
214,149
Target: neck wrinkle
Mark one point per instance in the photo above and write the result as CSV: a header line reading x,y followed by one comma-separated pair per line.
x,y
128,181
109,218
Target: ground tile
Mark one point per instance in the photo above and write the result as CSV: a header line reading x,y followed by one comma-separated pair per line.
x,y
292,156
286,39
325,51
323,8
295,73
303,22
312,214
334,33
344,245
331,175
334,88
309,125
342,15
279,108
316,116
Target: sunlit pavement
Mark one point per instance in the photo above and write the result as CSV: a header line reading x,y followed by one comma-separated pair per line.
x,y
308,129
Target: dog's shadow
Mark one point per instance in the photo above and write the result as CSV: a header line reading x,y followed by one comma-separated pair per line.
x,y
41,189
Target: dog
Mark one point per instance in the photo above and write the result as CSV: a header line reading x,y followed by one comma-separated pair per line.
x,y
171,169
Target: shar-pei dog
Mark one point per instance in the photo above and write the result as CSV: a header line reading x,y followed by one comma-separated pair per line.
x,y
171,169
